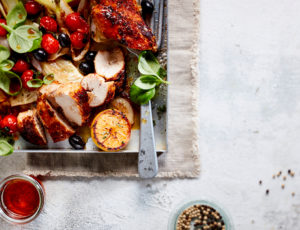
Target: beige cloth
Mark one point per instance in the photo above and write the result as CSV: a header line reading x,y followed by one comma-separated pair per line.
x,y
182,159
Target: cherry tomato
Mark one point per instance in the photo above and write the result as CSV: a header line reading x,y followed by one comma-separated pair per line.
x,y
78,40
10,121
27,76
50,44
32,7
75,22
3,32
48,23
21,66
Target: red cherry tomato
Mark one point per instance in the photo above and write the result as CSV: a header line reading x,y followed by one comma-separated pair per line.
x,y
3,32
27,76
75,22
50,44
20,66
10,121
49,24
32,7
78,40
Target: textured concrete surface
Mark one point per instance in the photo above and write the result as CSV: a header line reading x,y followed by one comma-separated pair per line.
x,y
249,130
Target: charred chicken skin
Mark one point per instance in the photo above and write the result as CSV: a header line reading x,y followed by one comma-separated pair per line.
x,y
58,129
73,100
31,128
121,20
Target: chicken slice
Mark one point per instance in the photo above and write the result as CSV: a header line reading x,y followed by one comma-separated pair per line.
x,y
31,128
110,64
99,91
73,100
47,90
58,129
121,20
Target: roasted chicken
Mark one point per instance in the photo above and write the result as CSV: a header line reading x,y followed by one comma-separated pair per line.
x,y
55,125
121,20
74,102
31,128
99,91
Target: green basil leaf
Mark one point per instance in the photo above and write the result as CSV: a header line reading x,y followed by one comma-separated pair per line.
x,y
6,65
149,65
24,39
5,148
140,96
16,16
48,79
8,80
146,82
36,44
35,83
4,53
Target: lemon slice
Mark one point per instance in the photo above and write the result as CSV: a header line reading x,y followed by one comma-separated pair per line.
x,y
111,130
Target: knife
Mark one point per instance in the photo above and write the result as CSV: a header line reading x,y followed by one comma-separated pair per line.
x,y
147,165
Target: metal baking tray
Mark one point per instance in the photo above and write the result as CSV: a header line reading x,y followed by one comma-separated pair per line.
x,y
159,105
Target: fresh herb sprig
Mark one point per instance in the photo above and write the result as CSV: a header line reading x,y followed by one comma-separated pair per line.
x,y
21,38
152,75
6,143
7,76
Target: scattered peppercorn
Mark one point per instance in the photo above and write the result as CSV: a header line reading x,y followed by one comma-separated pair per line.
x,y
279,174
267,192
260,182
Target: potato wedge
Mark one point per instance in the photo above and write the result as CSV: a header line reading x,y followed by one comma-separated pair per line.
x,y
111,130
124,106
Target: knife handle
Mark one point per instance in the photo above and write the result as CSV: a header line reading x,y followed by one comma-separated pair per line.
x,y
147,165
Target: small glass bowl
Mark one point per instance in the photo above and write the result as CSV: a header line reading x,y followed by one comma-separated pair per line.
x,y
186,204
14,218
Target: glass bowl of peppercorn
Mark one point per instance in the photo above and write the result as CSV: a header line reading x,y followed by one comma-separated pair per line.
x,y
199,214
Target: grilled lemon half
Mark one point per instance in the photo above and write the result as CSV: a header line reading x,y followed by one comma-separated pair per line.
x,y
111,130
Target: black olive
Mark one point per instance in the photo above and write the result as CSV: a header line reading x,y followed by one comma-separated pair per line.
x,y
86,67
40,54
42,29
147,7
90,56
76,142
64,40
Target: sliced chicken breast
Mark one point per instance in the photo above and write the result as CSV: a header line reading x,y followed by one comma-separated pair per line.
x,y
31,128
99,91
47,90
110,64
74,101
58,129
120,83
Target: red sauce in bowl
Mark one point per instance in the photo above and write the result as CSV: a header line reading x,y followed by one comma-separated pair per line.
x,y
20,197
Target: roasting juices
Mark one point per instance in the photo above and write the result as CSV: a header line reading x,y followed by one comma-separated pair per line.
x,y
21,198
